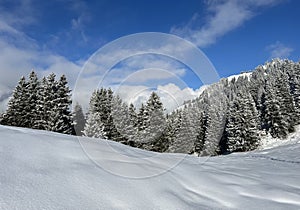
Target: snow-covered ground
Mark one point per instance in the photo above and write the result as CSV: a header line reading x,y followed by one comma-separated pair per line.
x,y
44,170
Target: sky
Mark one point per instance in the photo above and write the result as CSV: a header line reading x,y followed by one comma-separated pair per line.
x,y
62,36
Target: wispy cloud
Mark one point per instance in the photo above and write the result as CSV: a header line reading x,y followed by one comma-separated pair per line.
x,y
21,13
223,17
83,17
279,50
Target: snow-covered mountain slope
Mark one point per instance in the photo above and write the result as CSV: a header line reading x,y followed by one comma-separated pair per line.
x,y
44,170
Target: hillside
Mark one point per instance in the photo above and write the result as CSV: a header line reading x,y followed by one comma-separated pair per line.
x,y
45,170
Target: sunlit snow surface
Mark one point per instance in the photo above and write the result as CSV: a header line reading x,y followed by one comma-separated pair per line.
x,y
44,170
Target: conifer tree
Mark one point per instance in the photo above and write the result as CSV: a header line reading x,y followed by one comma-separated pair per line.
x,y
41,106
31,100
201,132
185,135
16,110
61,117
94,126
242,127
155,122
78,119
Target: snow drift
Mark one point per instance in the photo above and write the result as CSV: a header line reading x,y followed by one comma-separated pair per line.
x,y
44,170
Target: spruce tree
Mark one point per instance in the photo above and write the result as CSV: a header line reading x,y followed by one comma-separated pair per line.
x,y
78,119
155,123
185,135
16,110
62,119
94,127
242,127
32,100
41,112
201,132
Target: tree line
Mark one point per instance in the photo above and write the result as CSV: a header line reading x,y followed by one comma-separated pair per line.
x,y
40,104
229,116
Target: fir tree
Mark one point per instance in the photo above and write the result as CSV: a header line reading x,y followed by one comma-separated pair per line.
x,y
201,131
94,127
155,123
32,100
16,110
242,127
78,120
41,106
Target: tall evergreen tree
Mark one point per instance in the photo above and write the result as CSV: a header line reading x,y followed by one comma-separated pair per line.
x,y
185,135
32,100
78,119
16,110
201,132
242,127
41,106
155,123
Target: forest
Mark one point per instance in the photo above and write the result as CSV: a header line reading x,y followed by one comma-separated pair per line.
x,y
231,115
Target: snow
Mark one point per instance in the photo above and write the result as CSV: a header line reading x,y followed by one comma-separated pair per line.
x,y
245,74
45,170
268,141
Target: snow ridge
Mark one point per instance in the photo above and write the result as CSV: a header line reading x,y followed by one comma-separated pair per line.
x,y
46,170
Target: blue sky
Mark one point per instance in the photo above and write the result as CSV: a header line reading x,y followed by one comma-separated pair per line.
x,y
60,35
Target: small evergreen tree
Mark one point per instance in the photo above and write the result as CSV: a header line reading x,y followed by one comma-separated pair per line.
x,y
94,127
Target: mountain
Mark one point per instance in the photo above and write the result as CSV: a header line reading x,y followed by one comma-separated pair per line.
x,y
46,170
234,114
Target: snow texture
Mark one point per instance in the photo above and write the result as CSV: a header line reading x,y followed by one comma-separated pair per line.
x,y
245,74
45,170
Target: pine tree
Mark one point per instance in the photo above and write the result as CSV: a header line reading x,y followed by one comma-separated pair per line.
x,y
16,111
133,115
41,112
31,100
121,121
242,127
201,132
63,117
155,123
216,118
78,120
185,135
142,118
173,125
94,126
277,118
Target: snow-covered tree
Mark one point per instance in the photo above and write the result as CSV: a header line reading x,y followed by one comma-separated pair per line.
x,y
41,106
60,118
31,99
242,127
123,122
201,132
185,135
78,119
16,110
94,127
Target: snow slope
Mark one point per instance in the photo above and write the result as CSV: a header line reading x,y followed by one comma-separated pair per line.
x,y
44,170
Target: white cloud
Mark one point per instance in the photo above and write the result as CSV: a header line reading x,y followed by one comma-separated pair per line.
x,y
18,58
224,16
279,50
170,94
